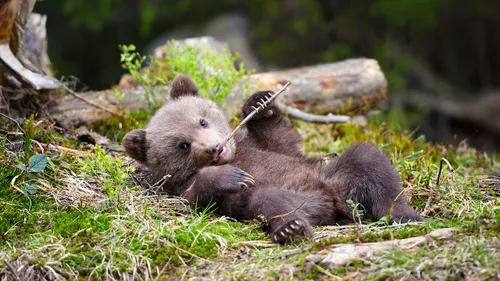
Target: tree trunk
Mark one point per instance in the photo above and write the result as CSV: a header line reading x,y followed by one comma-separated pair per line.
x,y
23,47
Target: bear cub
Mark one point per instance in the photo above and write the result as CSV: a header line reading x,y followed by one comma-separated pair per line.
x,y
262,170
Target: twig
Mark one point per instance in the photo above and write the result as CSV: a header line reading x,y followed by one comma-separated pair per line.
x,y
258,244
262,106
39,145
12,270
427,207
441,167
281,216
314,118
62,148
326,272
15,121
71,92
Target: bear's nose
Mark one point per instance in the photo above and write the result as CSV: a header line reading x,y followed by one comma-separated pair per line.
x,y
212,149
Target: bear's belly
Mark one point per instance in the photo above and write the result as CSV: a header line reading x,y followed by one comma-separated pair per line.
x,y
273,169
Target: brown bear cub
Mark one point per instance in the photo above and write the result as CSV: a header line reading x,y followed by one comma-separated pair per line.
x,y
262,170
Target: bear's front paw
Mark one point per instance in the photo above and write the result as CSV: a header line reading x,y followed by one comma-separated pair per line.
x,y
257,100
232,179
292,231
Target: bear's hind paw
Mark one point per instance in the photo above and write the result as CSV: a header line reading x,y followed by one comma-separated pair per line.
x,y
293,230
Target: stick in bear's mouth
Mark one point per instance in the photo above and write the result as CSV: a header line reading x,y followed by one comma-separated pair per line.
x,y
263,105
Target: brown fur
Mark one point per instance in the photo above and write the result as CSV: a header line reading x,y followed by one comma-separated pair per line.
x,y
262,171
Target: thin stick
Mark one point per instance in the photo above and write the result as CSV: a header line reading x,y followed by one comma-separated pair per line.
x,y
15,121
314,118
281,216
71,92
62,148
256,110
441,167
427,207
326,156
326,272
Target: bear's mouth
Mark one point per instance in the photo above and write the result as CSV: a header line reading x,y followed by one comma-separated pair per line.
x,y
218,155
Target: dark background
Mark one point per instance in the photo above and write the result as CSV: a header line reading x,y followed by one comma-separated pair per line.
x,y
440,49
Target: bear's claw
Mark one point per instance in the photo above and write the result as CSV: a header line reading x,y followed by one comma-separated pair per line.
x,y
260,101
292,230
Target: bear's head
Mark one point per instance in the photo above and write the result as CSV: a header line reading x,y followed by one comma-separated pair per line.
x,y
183,136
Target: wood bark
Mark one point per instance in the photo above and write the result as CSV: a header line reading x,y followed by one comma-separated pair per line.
x,y
23,47
71,112
338,88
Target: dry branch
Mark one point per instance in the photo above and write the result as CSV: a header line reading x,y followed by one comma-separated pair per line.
x,y
315,118
339,255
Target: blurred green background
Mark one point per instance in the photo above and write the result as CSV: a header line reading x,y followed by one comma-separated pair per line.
x,y
441,48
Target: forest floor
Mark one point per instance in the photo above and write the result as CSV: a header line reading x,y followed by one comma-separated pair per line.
x,y
74,211
77,208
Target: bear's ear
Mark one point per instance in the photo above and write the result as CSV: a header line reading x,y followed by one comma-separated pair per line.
x,y
134,143
183,85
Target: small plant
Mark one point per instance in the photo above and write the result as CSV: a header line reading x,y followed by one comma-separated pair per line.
x,y
106,169
358,211
213,71
36,165
120,97
132,61
29,133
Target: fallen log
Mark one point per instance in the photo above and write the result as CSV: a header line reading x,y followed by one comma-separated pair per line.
x,y
72,112
340,88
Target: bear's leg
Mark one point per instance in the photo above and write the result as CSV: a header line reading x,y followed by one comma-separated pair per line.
x,y
365,175
290,214
211,184
269,129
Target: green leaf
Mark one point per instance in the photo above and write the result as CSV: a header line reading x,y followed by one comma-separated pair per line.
x,y
37,163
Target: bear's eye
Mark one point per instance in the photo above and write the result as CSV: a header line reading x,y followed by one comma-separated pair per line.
x,y
184,146
203,123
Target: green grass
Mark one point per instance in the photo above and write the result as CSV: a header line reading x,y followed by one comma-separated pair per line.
x,y
122,231
83,216
88,220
